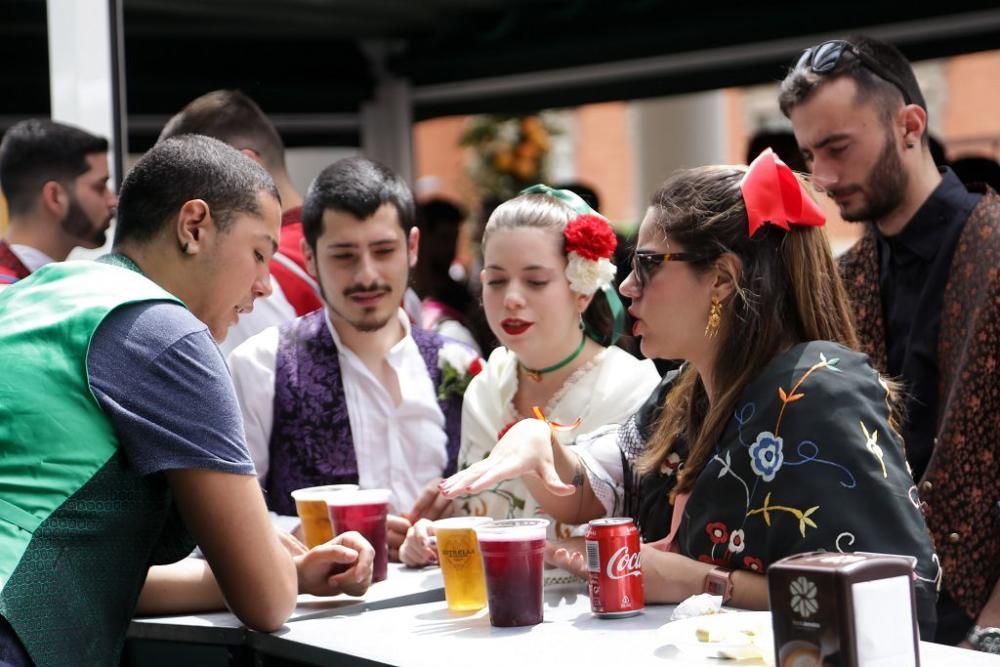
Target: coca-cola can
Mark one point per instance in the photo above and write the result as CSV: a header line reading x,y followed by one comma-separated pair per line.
x,y
615,584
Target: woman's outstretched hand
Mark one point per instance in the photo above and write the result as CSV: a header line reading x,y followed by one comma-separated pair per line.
x,y
526,449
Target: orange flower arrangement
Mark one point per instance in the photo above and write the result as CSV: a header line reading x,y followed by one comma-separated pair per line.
x,y
508,152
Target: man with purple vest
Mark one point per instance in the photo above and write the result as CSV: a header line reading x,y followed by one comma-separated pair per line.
x,y
353,393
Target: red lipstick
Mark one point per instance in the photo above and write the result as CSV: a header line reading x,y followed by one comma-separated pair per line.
x,y
515,327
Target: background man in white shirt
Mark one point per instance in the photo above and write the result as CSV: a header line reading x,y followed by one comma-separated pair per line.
x,y
55,180
353,392
232,117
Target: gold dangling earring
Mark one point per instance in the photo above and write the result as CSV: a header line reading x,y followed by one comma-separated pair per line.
x,y
714,318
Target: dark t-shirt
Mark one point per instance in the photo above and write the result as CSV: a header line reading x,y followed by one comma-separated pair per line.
x,y
913,270
161,379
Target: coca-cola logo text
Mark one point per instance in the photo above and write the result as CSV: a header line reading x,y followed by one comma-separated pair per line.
x,y
623,564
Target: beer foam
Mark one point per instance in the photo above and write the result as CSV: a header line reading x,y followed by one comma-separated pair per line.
x,y
513,530
462,522
321,492
357,497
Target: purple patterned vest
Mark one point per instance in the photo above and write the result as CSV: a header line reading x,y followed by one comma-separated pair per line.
x,y
311,441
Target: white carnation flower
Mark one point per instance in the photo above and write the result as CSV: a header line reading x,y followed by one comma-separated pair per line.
x,y
457,356
587,276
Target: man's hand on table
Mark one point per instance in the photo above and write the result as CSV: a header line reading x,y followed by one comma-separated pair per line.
x,y
395,533
431,504
342,565
415,550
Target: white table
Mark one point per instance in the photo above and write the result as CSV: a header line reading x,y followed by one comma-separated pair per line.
x,y
405,621
427,635
403,586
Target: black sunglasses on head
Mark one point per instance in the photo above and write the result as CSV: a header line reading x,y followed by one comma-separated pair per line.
x,y
644,262
823,59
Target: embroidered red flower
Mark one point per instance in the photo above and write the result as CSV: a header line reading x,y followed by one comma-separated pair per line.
x,y
752,563
502,432
717,532
591,237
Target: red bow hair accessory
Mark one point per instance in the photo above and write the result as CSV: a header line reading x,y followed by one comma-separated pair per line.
x,y
773,195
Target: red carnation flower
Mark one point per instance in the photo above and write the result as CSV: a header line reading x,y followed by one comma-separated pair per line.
x,y
475,367
591,237
717,532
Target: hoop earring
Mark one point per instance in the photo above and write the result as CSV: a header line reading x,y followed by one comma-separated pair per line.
x,y
714,318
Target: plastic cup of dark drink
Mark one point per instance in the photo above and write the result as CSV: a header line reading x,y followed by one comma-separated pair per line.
x,y
513,552
364,511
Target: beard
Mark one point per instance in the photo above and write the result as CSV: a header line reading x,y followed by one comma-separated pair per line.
x,y
78,225
368,322
883,193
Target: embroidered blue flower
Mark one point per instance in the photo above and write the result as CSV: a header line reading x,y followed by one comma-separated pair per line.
x,y
766,455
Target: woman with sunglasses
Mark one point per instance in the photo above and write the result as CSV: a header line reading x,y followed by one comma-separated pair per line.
x,y
776,437
547,297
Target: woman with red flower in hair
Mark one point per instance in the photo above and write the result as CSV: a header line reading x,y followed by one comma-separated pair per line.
x,y
549,299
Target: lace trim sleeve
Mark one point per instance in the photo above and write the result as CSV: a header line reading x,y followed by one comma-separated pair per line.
x,y
608,456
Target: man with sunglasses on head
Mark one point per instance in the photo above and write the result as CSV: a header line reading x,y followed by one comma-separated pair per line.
x,y
926,293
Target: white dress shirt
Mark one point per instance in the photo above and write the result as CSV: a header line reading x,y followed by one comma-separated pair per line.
x,y
398,447
32,258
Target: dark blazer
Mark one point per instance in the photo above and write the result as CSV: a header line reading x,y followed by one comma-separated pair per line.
x,y
961,486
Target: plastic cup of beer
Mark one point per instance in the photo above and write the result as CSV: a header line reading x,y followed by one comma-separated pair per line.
x,y
461,562
310,504
365,511
513,552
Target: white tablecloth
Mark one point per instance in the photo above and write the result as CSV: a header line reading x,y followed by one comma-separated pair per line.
x,y
428,635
